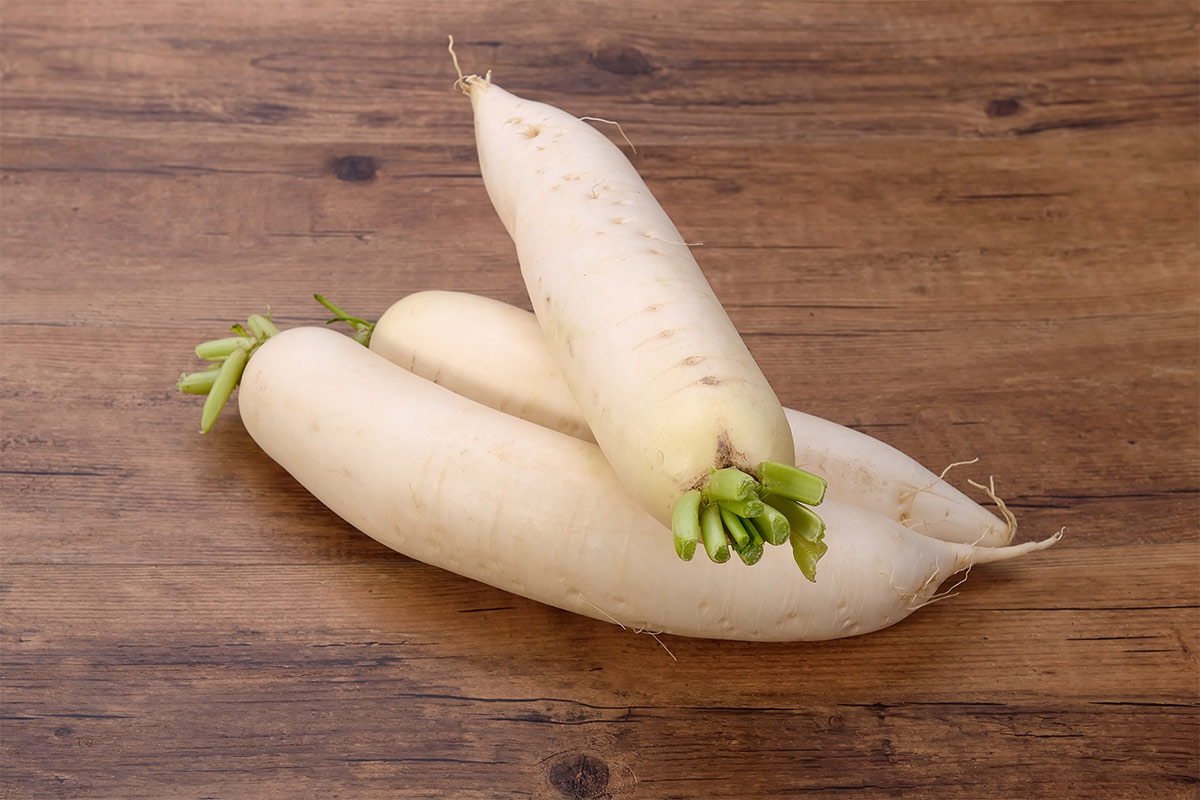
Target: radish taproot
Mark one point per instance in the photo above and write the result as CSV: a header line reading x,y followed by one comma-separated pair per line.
x,y
462,486
666,384
494,353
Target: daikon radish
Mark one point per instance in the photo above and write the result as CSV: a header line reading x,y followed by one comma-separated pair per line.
x,y
461,486
666,385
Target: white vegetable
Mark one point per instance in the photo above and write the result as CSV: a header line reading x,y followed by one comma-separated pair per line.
x,y
483,349
665,383
461,486
494,354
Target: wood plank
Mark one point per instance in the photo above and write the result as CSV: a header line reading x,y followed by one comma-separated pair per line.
x,y
990,621
266,744
924,69
248,202
395,648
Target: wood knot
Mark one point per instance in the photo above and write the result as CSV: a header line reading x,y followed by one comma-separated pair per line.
x,y
355,168
579,776
1004,107
621,60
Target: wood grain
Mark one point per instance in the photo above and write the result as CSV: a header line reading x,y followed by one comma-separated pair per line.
x,y
968,229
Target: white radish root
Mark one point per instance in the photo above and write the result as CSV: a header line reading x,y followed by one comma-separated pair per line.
x,y
464,487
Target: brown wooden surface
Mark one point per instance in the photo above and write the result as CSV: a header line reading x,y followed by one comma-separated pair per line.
x,y
969,229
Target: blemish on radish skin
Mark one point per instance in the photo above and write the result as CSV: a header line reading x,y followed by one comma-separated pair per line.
x,y
691,361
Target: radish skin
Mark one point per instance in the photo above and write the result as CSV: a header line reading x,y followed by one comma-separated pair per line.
x,y
461,486
494,353
666,384
489,351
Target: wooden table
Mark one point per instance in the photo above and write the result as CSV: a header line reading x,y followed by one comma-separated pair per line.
x,y
969,229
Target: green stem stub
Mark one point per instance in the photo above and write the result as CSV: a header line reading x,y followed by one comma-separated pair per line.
x,y
773,526
737,512
807,554
199,382
227,379
751,507
685,524
804,522
712,531
736,527
791,482
729,484
261,327
230,356
362,328
220,349
752,551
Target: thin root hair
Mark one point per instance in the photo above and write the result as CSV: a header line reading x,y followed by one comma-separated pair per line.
x,y
913,598
653,634
463,83
914,492
1009,517
672,241
943,595
912,522
619,129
